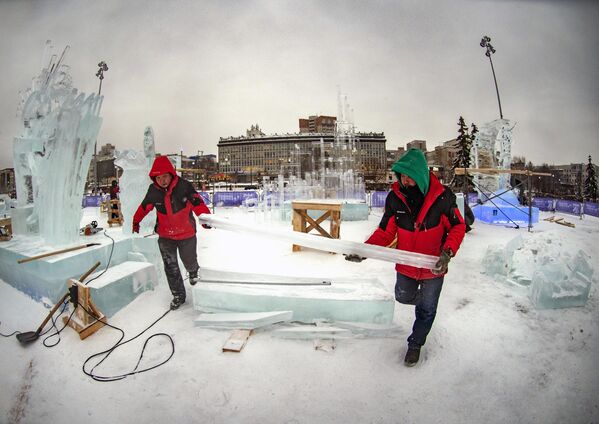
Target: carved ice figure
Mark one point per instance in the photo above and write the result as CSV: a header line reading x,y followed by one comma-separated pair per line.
x,y
133,186
492,148
149,150
53,153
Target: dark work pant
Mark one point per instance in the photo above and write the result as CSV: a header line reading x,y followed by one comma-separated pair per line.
x,y
424,294
187,251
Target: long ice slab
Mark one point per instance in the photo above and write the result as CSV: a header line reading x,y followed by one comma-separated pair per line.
x,y
242,320
361,300
329,245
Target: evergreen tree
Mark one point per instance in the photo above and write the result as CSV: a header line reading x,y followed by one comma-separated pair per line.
x,y
462,160
590,183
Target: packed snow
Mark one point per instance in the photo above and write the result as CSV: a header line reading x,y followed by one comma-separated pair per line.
x,y
491,356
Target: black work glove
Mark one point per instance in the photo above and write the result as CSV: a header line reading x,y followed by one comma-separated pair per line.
x,y
354,258
136,227
443,262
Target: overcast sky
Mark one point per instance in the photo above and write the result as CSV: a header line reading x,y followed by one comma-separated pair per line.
x,y
199,70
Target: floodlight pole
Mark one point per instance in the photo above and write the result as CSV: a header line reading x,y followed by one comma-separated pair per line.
x,y
102,67
485,43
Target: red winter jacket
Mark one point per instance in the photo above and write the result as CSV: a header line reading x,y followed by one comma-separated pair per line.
x,y
174,205
438,226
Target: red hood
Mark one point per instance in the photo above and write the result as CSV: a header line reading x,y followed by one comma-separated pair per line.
x,y
162,165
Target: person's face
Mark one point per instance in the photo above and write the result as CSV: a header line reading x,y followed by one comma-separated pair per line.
x,y
164,180
407,181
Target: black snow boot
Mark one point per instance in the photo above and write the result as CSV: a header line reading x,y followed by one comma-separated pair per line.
x,y
176,302
412,356
193,278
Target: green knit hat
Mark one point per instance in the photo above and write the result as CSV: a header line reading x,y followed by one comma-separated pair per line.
x,y
413,164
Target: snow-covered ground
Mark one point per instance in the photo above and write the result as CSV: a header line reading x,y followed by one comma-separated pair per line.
x,y
491,357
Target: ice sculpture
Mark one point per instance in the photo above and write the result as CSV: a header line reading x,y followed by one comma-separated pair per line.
x,y
556,273
320,170
149,150
53,153
492,148
133,187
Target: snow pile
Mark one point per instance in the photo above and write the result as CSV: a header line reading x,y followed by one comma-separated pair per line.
x,y
556,271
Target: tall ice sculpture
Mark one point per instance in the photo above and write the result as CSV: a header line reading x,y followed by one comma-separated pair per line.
x,y
53,154
135,180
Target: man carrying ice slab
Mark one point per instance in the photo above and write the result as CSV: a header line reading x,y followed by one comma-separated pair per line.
x,y
174,199
421,216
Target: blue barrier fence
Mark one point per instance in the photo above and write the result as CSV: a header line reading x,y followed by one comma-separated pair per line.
x,y
233,198
376,200
544,203
591,208
93,201
205,196
568,206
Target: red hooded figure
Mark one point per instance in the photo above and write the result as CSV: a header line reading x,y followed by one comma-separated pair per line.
x,y
175,201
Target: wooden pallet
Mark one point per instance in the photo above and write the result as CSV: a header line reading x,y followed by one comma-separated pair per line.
x,y
304,223
115,217
87,318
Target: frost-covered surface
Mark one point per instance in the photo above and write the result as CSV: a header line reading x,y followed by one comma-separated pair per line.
x,y
558,271
491,357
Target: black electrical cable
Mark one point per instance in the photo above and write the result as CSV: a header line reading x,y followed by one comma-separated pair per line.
x,y
11,334
58,331
109,259
120,342
41,334
106,353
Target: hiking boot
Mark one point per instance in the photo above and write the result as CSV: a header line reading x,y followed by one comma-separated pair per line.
x,y
412,356
176,302
193,278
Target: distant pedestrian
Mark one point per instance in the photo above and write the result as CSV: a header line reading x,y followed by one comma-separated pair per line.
x,y
114,190
114,195
420,216
175,201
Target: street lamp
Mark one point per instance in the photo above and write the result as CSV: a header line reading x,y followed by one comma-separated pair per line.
x,y
102,67
489,50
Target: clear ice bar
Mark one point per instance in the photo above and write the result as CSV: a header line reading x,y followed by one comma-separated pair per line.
x,y
329,245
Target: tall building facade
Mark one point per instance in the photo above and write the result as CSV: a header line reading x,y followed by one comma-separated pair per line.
x,y
246,158
317,124
7,181
417,144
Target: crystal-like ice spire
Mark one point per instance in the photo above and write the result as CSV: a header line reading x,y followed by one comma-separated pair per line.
x,y
53,153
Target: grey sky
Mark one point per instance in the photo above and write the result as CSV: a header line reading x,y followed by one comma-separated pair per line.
x,y
199,70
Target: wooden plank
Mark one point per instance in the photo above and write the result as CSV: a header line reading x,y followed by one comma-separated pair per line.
x,y
316,224
565,223
315,206
297,226
236,341
335,224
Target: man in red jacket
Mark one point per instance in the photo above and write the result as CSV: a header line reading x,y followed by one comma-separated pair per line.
x,y
420,216
174,199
